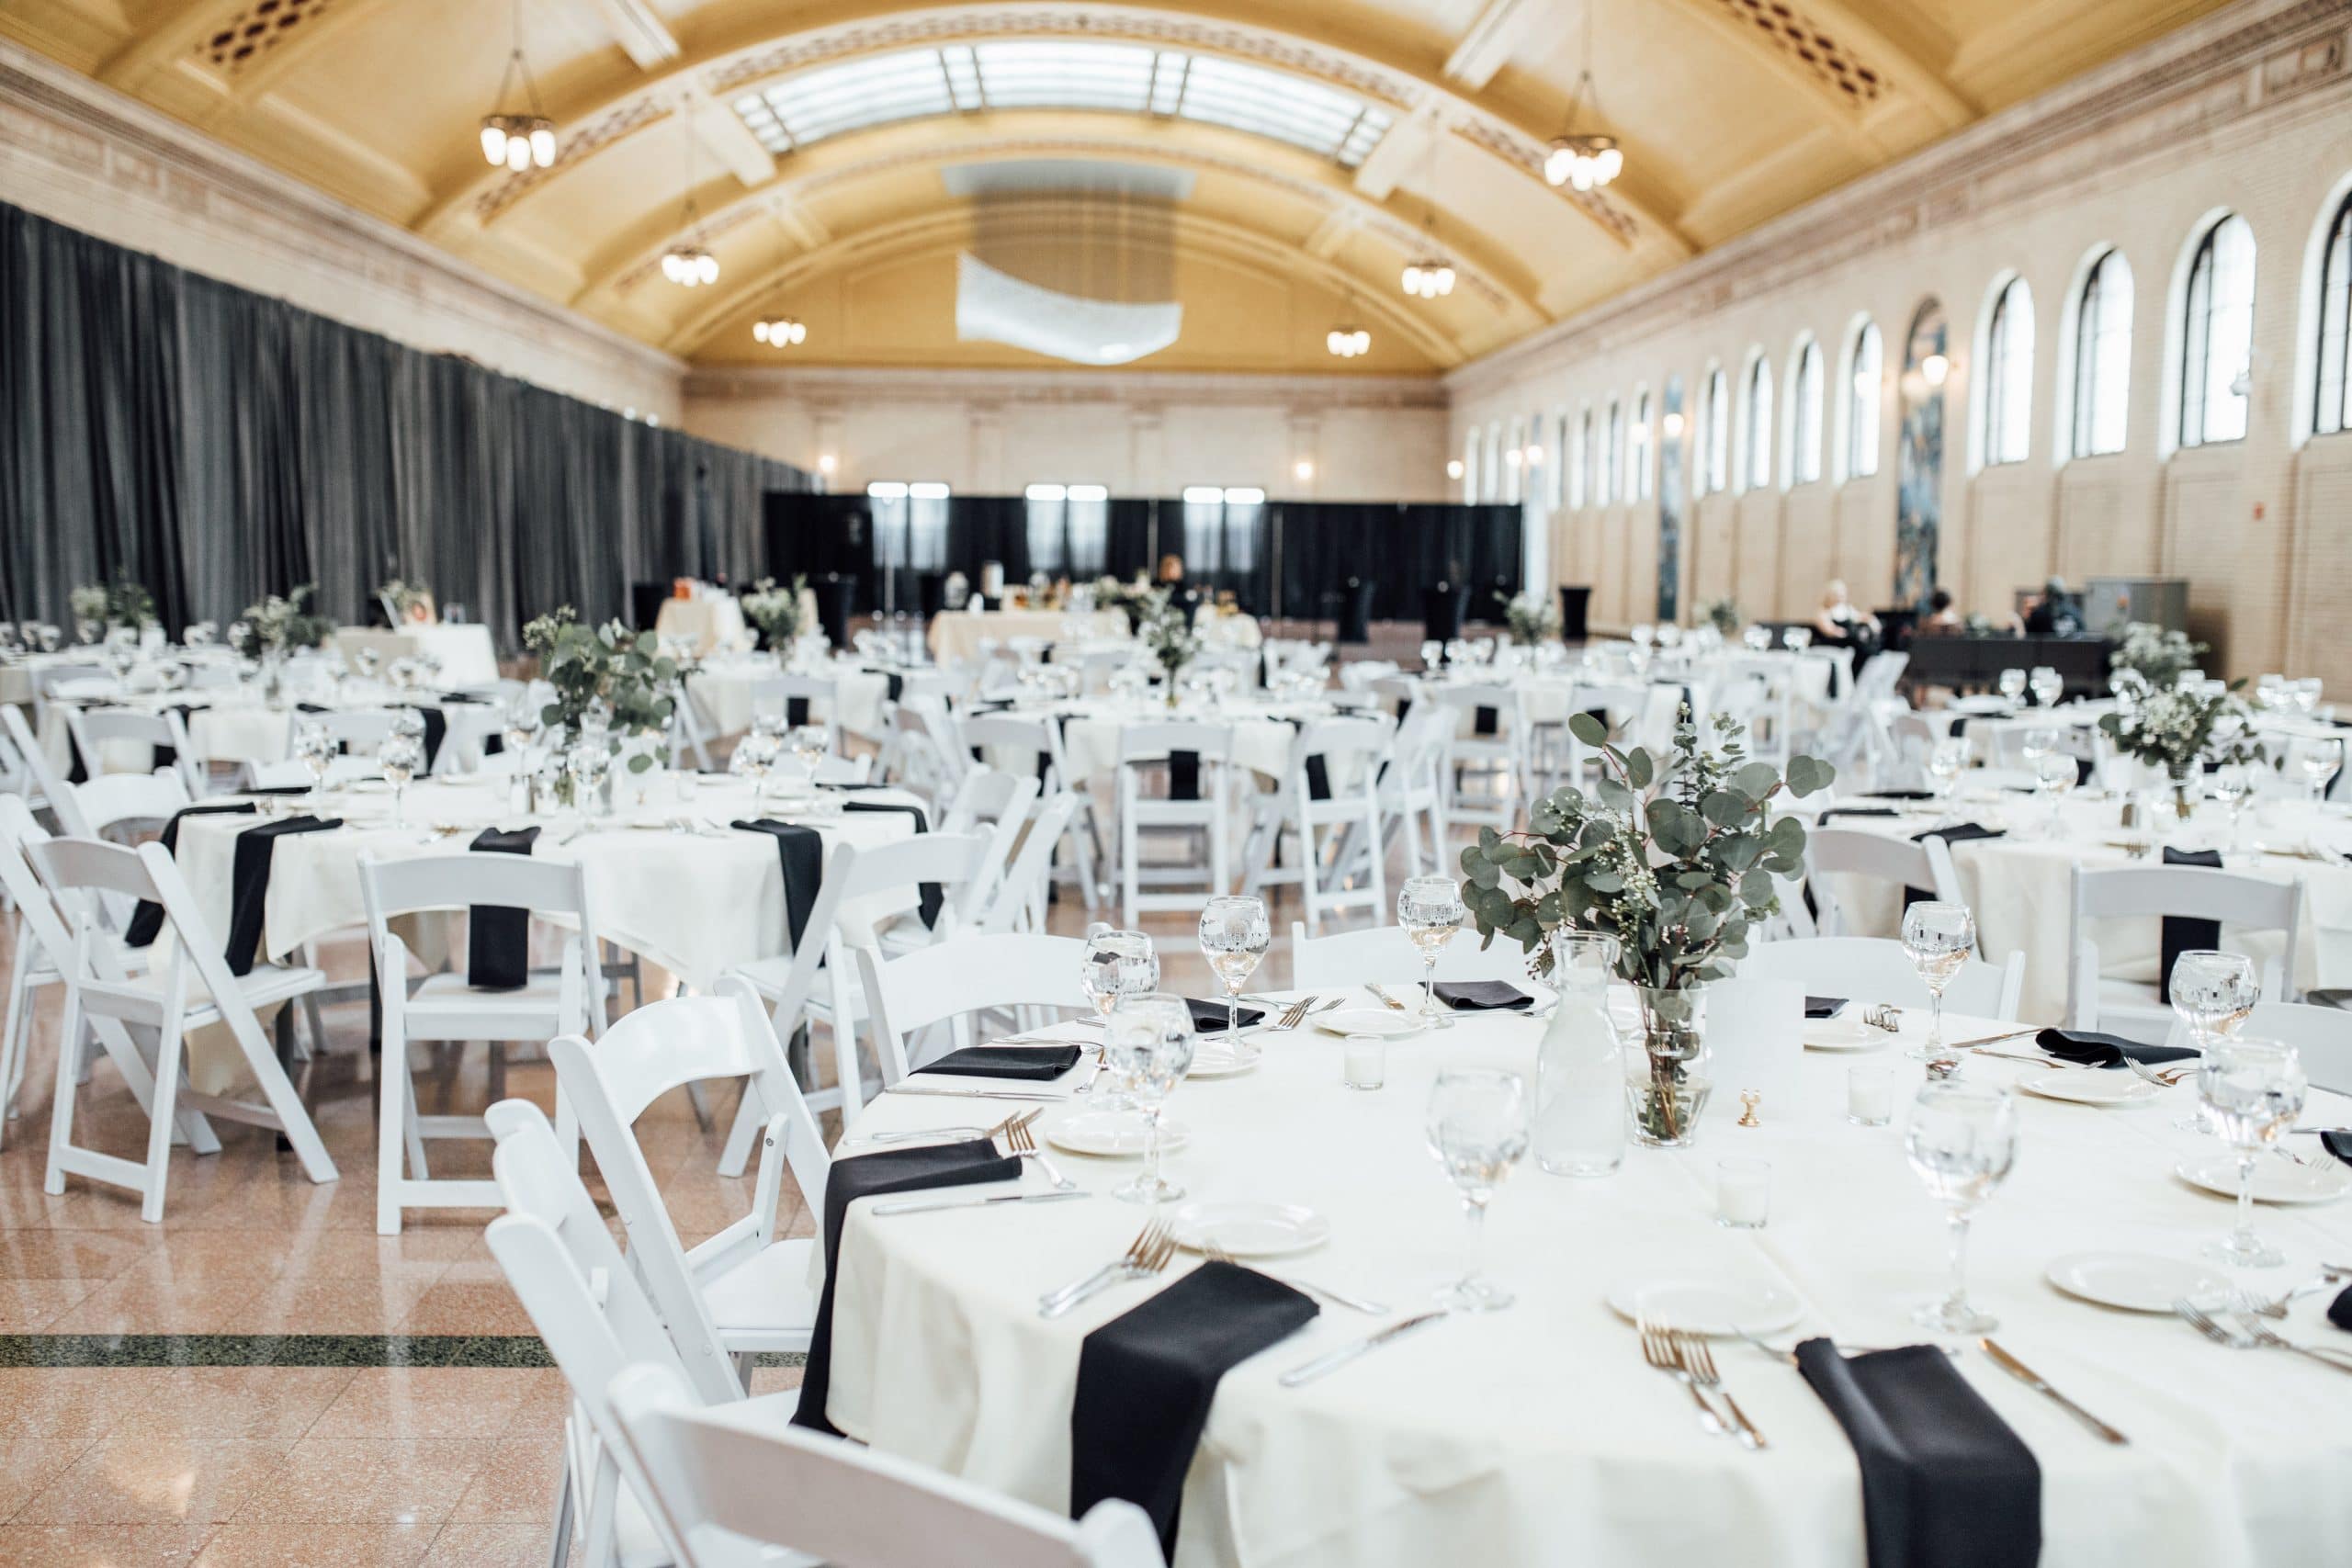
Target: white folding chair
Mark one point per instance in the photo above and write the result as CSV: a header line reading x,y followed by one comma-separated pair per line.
x,y
1020,900
190,989
727,1478
964,975
995,804
94,730
1017,738
2135,1008
295,773
1868,970
1352,751
2322,1036
1385,955
1500,759
1853,852
446,1009
357,732
1147,748
1411,787
820,697
741,1291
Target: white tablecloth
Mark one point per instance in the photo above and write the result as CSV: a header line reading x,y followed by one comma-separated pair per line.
x,y
467,656
1262,733
957,634
711,622
721,691
1537,1435
227,725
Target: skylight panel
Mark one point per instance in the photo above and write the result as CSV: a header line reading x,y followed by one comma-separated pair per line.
x,y
1167,81
1066,75
1268,103
963,77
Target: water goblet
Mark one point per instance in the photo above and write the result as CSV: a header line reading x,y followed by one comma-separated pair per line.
x,y
2036,743
753,757
2011,683
1961,1142
317,749
1116,965
2232,783
1938,938
1147,1040
2054,776
2306,694
1947,759
1757,640
809,743
1235,934
2251,1091
49,637
1476,1124
2047,685
2319,759
2212,992
398,756
1431,911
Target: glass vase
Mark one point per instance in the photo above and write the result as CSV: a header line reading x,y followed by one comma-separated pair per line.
x,y
1667,1087
2184,782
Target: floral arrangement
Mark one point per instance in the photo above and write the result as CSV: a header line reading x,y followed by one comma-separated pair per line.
x,y
120,603
1725,616
625,671
2181,728
1674,856
278,622
1978,623
1167,631
2156,656
1529,617
775,613
403,600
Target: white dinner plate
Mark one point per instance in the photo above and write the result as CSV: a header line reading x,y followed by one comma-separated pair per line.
x,y
1368,1021
1706,1306
1216,1057
2275,1180
1848,1033
2090,1089
2135,1281
1249,1230
1113,1134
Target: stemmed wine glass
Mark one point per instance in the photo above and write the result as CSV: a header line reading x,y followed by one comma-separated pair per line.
x,y
2054,775
809,743
1117,964
2320,759
1477,1130
753,757
1946,761
1961,1142
1147,1040
1938,938
397,758
2011,683
2036,743
2047,685
1235,934
317,749
2211,994
1430,908
2232,783
2252,1090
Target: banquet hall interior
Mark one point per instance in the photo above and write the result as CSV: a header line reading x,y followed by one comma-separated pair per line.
x,y
934,784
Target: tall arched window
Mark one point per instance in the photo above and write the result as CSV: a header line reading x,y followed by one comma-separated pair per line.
x,y
1580,476
2331,412
1559,480
1714,466
2008,376
1863,393
1758,433
1613,455
2103,357
2217,339
1805,415
1596,461
1491,488
1637,451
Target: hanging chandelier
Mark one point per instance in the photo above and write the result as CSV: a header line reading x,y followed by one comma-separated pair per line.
x,y
1429,275
1429,278
687,263
517,141
1346,341
1583,160
780,331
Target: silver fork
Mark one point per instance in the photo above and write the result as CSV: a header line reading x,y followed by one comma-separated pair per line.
x,y
1021,1142
1700,1362
1658,1349
2190,1313
1146,1256
2264,1336
1296,1010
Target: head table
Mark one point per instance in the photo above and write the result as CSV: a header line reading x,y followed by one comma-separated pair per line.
x,y
1537,1434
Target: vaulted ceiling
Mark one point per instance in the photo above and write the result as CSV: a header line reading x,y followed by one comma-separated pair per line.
x,y
821,142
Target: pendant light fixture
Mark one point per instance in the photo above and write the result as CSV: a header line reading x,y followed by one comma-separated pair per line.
x,y
1584,160
687,264
517,141
780,331
1429,275
1347,341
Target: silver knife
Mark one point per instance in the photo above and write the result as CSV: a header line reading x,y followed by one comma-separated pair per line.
x,y
1332,1360
975,1094
924,1205
2033,1381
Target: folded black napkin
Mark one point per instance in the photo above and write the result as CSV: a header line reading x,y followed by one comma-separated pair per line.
x,y
802,853
437,730
249,882
1208,1017
1824,1007
796,711
1183,775
894,687
931,898
277,789
147,921
498,938
1836,811
1482,995
1960,834
2339,1311
2329,996
1945,1483
2091,1049
867,1176
2179,934
1899,795
1485,721
1147,1378
2337,1142
1318,771
1031,1064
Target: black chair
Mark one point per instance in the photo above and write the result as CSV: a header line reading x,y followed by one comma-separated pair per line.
x,y
1355,611
1441,613
1576,600
836,595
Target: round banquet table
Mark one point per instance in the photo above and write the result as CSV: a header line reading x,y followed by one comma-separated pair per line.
x,y
696,903
234,725
721,691
1262,732
710,622
957,634
2021,886
1537,1435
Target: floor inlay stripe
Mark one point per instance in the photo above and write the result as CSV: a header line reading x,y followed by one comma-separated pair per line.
x,y
286,1350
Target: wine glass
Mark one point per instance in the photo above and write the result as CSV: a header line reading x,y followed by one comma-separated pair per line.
x,y
2306,694
1430,908
809,743
1117,964
590,764
399,757
1938,938
1148,1040
1961,1142
317,749
521,727
2213,993
2011,683
1235,934
753,757
2036,743
1431,651
1477,1130
2047,685
2252,1090
2054,776
2320,759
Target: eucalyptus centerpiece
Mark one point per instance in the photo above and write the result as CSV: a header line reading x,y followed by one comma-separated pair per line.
x,y
1167,632
121,602
618,678
1529,618
2157,658
775,613
1725,616
1674,857
2181,728
271,628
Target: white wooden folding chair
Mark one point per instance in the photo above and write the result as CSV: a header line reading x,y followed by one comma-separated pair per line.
x,y
1412,787
2321,1036
1015,738
997,804
819,696
1385,955
968,974
188,990
1353,750
729,1480
355,731
446,1009
741,1291
94,730
2134,1009
129,801
1871,970
1145,750
1500,759
1020,900
1853,852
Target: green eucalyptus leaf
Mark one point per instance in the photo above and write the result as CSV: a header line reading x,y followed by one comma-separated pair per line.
x,y
1589,730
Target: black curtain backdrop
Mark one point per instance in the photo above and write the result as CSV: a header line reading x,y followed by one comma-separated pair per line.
x,y
215,445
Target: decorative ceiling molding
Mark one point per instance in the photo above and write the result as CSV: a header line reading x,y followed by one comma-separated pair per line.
x,y
846,386
248,38
1797,35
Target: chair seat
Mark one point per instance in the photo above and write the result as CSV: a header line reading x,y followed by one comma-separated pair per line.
x,y
267,983
2133,1009
538,1001
768,1302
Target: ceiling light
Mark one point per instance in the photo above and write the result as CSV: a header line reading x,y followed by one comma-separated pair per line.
x,y
1302,468
517,141
686,264
1935,367
780,331
1453,467
1534,455
1584,160
1673,424
1346,341
1429,278
826,463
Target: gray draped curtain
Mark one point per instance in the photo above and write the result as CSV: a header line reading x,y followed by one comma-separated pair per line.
x,y
215,445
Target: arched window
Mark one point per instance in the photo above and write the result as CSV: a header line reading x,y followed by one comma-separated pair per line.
x,y
1758,433
1491,488
2008,376
1863,394
2333,410
2103,357
1581,477
1559,459
1596,464
1637,451
2217,340
1714,466
1470,470
1805,415
1612,456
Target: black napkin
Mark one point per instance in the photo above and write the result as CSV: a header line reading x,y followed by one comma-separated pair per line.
x,y
1858,811
1899,795
498,938
1485,721
277,789
437,730
1029,1064
2337,1142
2090,1049
1183,775
1945,1483
796,711
2339,1311
1208,1017
894,687
932,900
249,882
1824,1007
866,1176
1319,772
1482,995
147,921
1147,1378
2179,934
803,855
1960,834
